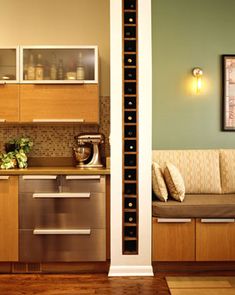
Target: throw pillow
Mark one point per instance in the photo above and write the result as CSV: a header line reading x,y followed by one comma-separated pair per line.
x,y
159,186
174,182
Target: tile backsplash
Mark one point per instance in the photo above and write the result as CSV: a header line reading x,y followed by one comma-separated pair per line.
x,y
57,141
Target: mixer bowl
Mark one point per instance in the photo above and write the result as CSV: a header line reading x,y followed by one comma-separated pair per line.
x,y
82,153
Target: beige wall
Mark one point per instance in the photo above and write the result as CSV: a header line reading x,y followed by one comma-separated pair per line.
x,y
58,22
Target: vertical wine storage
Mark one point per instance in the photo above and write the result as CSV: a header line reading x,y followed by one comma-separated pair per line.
x,y
130,127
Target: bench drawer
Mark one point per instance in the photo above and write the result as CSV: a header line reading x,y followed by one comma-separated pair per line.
x,y
173,239
215,240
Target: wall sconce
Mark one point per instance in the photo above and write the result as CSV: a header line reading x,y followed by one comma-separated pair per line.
x,y
197,73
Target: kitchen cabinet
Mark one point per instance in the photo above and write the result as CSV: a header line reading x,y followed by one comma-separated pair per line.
x,y
9,65
9,218
9,103
49,84
62,218
59,103
59,64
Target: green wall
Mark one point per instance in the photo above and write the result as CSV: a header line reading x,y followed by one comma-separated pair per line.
x,y
188,34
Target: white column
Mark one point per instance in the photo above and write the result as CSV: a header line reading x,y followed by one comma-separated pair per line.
x,y
128,265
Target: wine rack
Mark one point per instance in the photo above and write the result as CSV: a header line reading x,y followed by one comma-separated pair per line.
x,y
130,127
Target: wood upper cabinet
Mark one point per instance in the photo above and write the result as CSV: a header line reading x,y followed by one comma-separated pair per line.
x,y
46,103
9,103
9,218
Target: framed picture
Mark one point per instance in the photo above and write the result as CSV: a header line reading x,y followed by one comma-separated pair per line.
x,y
228,115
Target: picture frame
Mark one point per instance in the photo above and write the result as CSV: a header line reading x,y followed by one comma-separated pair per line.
x,y
228,100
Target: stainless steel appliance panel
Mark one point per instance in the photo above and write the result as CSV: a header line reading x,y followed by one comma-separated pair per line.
x,y
62,212
62,248
83,183
39,183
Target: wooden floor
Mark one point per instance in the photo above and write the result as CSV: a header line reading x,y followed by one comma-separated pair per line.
x,y
201,285
81,284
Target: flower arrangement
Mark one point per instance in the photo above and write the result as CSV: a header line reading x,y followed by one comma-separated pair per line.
x,y
15,155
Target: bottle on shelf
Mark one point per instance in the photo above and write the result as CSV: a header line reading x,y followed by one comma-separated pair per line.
x,y
80,68
60,70
31,68
39,69
53,68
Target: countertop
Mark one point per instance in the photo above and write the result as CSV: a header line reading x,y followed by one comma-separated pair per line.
x,y
55,170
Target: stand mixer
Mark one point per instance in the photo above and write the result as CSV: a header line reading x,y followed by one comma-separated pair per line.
x,y
87,152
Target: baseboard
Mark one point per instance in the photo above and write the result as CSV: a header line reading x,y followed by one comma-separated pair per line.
x,y
130,270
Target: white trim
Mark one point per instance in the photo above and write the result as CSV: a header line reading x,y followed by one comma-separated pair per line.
x,y
139,264
134,270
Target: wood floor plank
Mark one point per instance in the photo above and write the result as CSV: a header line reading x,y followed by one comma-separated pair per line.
x,y
97,284
198,282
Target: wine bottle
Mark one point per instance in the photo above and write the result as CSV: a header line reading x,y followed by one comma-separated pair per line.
x,y
31,68
39,69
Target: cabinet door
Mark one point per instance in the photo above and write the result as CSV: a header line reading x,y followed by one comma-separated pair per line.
x,y
9,103
215,240
173,239
8,218
59,103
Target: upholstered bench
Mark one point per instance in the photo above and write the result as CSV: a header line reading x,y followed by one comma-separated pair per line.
x,y
201,227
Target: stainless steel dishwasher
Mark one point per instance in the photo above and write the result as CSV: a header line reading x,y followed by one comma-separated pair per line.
x,y
62,218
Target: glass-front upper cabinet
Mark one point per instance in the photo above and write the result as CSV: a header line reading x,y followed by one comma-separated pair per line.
x,y
59,64
9,65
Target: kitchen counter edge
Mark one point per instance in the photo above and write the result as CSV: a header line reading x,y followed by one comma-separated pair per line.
x,y
56,170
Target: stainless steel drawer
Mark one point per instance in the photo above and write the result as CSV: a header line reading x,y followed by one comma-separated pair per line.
x,y
64,247
83,183
39,183
62,210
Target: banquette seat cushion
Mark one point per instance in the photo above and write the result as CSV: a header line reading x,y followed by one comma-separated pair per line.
x,y
197,206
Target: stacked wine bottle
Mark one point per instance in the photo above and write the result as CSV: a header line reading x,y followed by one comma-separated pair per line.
x,y
130,128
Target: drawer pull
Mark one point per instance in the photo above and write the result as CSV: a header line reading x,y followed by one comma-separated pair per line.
x,y
62,195
173,220
58,120
2,120
4,177
217,220
62,232
38,177
82,177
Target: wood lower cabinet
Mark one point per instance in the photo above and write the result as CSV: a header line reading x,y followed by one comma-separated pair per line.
x,y
9,218
9,103
48,103
215,240
173,240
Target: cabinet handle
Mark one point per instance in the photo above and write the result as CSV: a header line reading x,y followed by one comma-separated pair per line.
x,y
84,177
4,177
62,195
58,120
217,220
61,231
2,120
38,177
173,220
